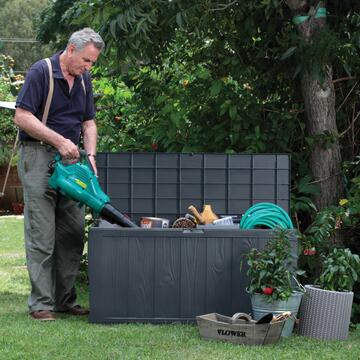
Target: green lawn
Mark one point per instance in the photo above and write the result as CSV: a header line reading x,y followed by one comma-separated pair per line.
x,y
74,338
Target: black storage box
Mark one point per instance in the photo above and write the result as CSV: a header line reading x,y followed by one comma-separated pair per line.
x,y
166,275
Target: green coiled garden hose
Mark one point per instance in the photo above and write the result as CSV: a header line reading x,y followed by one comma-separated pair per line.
x,y
266,214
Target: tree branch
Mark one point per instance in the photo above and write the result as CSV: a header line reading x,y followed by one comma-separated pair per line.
x,y
224,6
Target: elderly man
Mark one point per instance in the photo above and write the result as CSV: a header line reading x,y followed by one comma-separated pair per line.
x,y
54,110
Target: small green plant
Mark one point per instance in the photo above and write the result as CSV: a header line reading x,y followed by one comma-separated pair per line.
x,y
271,269
341,269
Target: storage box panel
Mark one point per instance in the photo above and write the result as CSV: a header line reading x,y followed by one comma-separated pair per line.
x,y
142,176
143,206
166,275
167,176
143,160
239,206
283,192
110,278
141,282
283,162
215,161
218,281
168,191
119,175
167,161
167,278
191,161
193,179
114,161
122,190
144,191
193,271
240,161
263,177
240,191
216,176
191,192
240,176
264,161
167,206
264,192
216,192
283,177
191,176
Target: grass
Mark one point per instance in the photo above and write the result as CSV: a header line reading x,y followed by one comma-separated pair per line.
x,y
74,338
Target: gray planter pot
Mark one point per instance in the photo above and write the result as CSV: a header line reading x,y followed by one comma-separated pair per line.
x,y
325,314
260,307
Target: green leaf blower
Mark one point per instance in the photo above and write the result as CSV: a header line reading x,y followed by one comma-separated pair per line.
x,y
77,181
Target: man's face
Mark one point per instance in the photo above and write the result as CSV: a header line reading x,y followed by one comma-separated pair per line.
x,y
81,60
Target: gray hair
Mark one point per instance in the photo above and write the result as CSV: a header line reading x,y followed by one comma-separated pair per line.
x,y
85,37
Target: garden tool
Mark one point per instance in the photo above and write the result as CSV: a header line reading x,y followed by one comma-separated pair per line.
x,y
77,181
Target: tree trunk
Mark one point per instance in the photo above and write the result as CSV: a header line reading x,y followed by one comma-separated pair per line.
x,y
325,161
319,99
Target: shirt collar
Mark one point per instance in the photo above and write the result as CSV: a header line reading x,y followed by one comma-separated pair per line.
x,y
55,62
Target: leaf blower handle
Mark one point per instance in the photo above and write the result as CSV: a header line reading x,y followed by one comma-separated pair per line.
x,y
109,213
84,155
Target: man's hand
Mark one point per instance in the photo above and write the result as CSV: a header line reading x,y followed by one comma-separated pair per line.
x,y
68,150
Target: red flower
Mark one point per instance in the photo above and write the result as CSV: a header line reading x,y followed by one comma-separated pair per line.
x,y
154,146
268,291
311,251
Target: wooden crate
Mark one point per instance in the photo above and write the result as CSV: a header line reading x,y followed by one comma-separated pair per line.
x,y
239,329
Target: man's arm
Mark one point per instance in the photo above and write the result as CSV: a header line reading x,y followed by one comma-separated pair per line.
x,y
90,139
26,121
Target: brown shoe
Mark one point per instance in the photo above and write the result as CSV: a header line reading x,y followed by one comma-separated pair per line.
x,y
43,315
78,310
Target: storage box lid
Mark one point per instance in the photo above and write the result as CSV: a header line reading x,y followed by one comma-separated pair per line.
x,y
166,184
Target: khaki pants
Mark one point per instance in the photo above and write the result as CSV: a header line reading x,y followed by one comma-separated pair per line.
x,y
54,231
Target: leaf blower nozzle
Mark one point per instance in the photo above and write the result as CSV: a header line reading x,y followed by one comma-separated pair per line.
x,y
114,216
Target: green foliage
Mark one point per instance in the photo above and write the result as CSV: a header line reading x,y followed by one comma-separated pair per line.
x,y
314,55
341,269
272,267
319,233
187,105
211,77
121,127
7,91
301,196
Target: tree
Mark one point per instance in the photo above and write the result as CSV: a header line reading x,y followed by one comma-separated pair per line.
x,y
245,35
17,19
319,99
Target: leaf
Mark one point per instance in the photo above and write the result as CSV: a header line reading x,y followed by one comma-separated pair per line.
x,y
113,28
233,112
289,52
179,19
216,88
176,119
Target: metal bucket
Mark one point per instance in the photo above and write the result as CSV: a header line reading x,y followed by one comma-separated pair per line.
x,y
261,307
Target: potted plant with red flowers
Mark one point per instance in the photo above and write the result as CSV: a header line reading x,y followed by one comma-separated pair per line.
x,y
271,273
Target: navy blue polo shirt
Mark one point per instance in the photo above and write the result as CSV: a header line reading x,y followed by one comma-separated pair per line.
x,y
67,110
